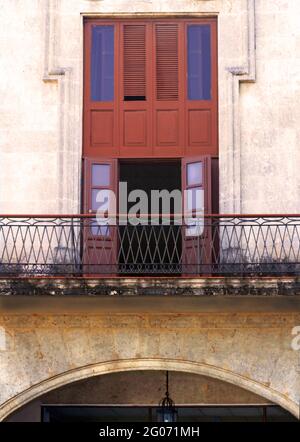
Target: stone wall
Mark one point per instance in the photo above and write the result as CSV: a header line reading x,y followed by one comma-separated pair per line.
x,y
251,351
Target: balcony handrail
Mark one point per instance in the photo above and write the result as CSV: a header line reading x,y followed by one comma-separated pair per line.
x,y
125,215
213,244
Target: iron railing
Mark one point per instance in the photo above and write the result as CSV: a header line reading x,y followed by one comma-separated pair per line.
x,y
220,245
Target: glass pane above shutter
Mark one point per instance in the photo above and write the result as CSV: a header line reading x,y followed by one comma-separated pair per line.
x,y
194,173
100,174
199,62
102,63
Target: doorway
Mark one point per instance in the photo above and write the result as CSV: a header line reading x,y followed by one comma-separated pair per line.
x,y
151,175
151,242
166,245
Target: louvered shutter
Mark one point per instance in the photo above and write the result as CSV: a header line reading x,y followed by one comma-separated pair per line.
x,y
135,118
168,108
134,62
166,62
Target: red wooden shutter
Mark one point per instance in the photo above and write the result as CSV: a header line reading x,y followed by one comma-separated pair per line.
x,y
101,89
100,235
196,236
201,110
134,62
135,118
166,36
168,98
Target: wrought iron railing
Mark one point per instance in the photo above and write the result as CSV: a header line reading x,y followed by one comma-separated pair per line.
x,y
220,245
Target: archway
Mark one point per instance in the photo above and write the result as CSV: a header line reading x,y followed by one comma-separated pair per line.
x,y
145,364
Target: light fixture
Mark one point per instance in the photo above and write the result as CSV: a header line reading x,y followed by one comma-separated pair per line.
x,y
167,411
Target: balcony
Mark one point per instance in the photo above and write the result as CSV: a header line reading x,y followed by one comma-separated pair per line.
x,y
78,246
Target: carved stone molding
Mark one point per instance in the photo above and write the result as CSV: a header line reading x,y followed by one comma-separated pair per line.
x,y
69,171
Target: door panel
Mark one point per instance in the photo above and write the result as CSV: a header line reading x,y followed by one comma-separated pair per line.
x,y
100,233
199,127
167,127
196,232
102,128
135,128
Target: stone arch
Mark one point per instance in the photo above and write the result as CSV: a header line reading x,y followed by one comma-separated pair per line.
x,y
103,368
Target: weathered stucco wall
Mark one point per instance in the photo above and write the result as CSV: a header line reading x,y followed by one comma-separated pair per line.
x,y
251,351
41,100
29,137
270,136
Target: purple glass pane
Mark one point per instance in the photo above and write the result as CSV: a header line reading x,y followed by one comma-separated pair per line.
x,y
100,228
199,62
194,173
100,174
195,200
102,63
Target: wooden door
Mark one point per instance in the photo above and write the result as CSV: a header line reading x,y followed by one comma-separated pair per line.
x,y
135,84
201,95
101,90
168,93
100,232
196,231
150,88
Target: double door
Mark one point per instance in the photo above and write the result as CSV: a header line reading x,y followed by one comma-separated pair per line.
x,y
150,88
113,244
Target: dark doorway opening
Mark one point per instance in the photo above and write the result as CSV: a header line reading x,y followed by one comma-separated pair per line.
x,y
234,413
151,175
147,248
